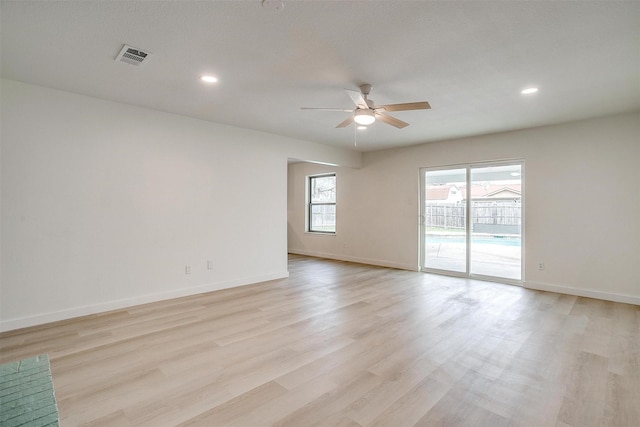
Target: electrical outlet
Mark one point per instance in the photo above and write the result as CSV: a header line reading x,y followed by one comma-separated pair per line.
x,y
541,266
187,269
209,265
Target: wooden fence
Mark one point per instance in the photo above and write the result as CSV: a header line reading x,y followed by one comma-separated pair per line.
x,y
502,216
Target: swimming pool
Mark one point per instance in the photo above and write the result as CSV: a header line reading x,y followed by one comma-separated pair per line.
x,y
479,240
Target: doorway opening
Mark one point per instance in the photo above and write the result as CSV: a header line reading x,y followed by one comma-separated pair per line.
x,y
472,220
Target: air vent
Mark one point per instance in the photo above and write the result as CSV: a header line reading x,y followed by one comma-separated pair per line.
x,y
132,56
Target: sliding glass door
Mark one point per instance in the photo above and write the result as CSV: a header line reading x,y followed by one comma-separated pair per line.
x,y
445,220
472,220
496,221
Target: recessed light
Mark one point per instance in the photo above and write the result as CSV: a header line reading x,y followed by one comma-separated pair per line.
x,y
529,90
209,79
362,127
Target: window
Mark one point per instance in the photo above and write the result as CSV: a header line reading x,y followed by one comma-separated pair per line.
x,y
321,207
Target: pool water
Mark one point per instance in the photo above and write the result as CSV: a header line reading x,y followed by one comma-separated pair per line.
x,y
486,240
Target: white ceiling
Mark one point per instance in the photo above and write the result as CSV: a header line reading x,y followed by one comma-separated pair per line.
x,y
468,59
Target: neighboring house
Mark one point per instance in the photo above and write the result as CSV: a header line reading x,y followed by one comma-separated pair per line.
x,y
494,191
453,193
444,193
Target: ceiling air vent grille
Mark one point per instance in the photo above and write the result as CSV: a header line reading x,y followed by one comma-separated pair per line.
x,y
132,56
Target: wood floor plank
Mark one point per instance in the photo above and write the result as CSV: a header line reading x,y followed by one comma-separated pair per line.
x,y
282,406
378,400
332,403
586,391
237,407
344,344
413,406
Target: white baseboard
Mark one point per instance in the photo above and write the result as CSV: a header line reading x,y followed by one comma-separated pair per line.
x,y
381,263
24,322
40,319
607,296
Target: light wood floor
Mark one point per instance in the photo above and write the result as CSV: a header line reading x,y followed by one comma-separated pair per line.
x,y
341,344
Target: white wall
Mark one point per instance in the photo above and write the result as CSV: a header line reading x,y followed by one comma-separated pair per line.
x,y
104,204
582,204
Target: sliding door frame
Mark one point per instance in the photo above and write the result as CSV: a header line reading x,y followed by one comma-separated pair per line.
x,y
468,232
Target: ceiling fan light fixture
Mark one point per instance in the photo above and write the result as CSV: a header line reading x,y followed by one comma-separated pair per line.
x,y
364,117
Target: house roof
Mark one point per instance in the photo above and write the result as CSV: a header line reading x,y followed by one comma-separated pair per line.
x,y
492,190
470,60
438,192
441,192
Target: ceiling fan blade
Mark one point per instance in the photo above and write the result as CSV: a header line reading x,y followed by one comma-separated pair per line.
x,y
346,122
392,120
328,109
424,105
357,98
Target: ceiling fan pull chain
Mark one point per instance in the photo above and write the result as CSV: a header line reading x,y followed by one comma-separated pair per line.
x,y
355,136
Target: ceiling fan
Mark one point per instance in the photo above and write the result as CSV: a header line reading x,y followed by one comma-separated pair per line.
x,y
366,112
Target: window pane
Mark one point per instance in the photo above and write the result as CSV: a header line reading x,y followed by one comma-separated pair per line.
x,y
445,220
323,218
323,189
496,212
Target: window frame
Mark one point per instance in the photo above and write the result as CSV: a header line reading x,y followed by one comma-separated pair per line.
x,y
310,204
